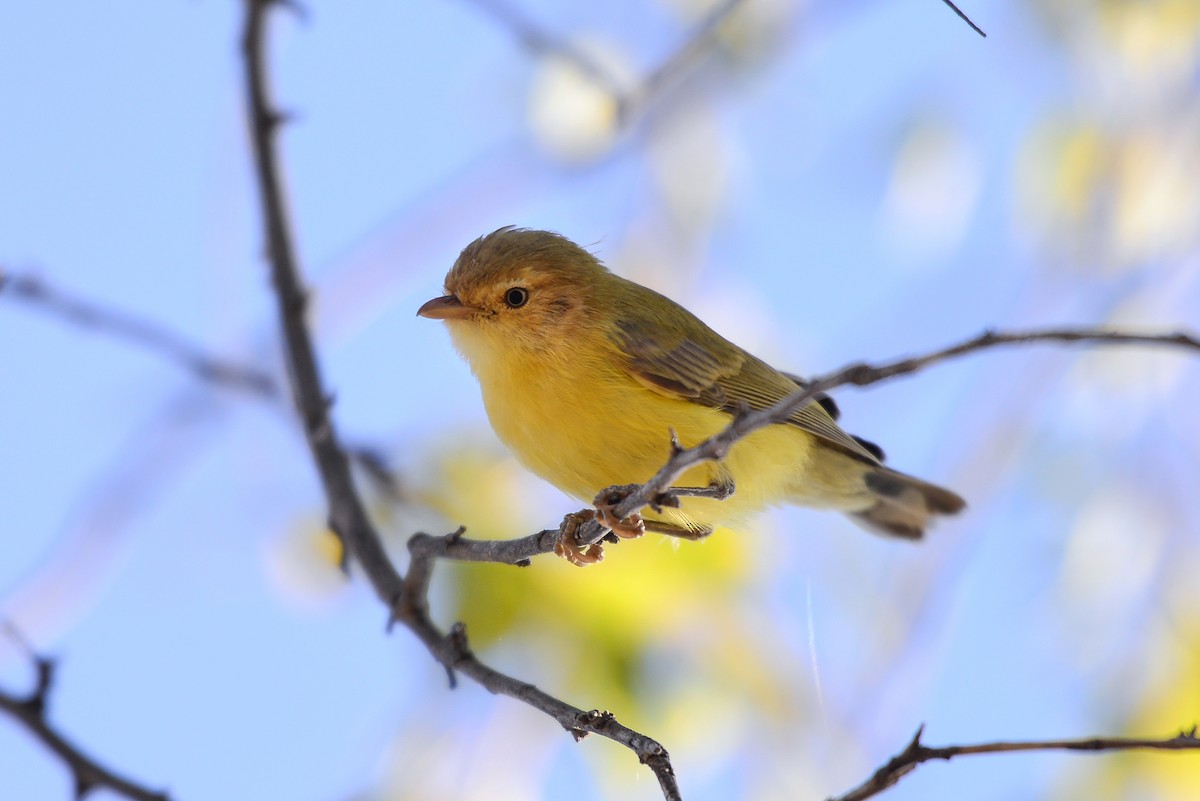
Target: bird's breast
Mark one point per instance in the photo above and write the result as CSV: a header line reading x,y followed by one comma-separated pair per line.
x,y
582,423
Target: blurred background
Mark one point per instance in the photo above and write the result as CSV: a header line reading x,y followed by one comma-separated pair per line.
x,y
820,181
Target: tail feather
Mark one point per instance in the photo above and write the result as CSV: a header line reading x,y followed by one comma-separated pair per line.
x,y
903,505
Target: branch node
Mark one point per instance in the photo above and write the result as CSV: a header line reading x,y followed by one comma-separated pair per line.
x,y
457,639
593,720
676,448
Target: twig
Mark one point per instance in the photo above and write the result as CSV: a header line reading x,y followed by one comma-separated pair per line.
x,y
695,47
159,339
715,447
628,99
541,42
916,753
30,711
862,374
965,18
142,332
405,599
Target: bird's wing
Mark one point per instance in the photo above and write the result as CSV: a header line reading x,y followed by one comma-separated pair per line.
x,y
707,369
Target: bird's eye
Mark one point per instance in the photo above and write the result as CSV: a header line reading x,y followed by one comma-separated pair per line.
x,y
516,297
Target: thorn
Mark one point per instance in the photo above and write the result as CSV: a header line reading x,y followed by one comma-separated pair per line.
x,y
916,740
456,535
83,786
273,119
457,639
394,612
676,448
45,677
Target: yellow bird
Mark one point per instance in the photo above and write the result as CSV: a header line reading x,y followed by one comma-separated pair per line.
x,y
584,375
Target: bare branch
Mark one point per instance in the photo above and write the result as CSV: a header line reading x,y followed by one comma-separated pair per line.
x,y
693,49
686,56
543,43
965,18
862,374
916,753
142,332
30,711
748,421
174,347
629,100
406,599
743,424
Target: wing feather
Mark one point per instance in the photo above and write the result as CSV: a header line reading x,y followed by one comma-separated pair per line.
x,y
707,369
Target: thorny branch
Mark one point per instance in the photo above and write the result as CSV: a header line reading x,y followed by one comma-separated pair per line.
x,y
917,752
455,546
404,597
30,711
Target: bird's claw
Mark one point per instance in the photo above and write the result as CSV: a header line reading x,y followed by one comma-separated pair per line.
x,y
628,528
566,547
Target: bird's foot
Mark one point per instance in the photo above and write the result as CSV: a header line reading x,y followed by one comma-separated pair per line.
x,y
566,547
628,528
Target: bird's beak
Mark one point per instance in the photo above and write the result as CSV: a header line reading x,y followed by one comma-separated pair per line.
x,y
447,307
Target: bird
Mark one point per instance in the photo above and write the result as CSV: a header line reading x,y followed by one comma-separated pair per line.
x,y
590,378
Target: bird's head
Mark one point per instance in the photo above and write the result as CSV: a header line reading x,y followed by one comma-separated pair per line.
x,y
517,288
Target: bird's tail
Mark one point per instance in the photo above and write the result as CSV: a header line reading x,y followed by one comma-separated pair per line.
x,y
902,505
